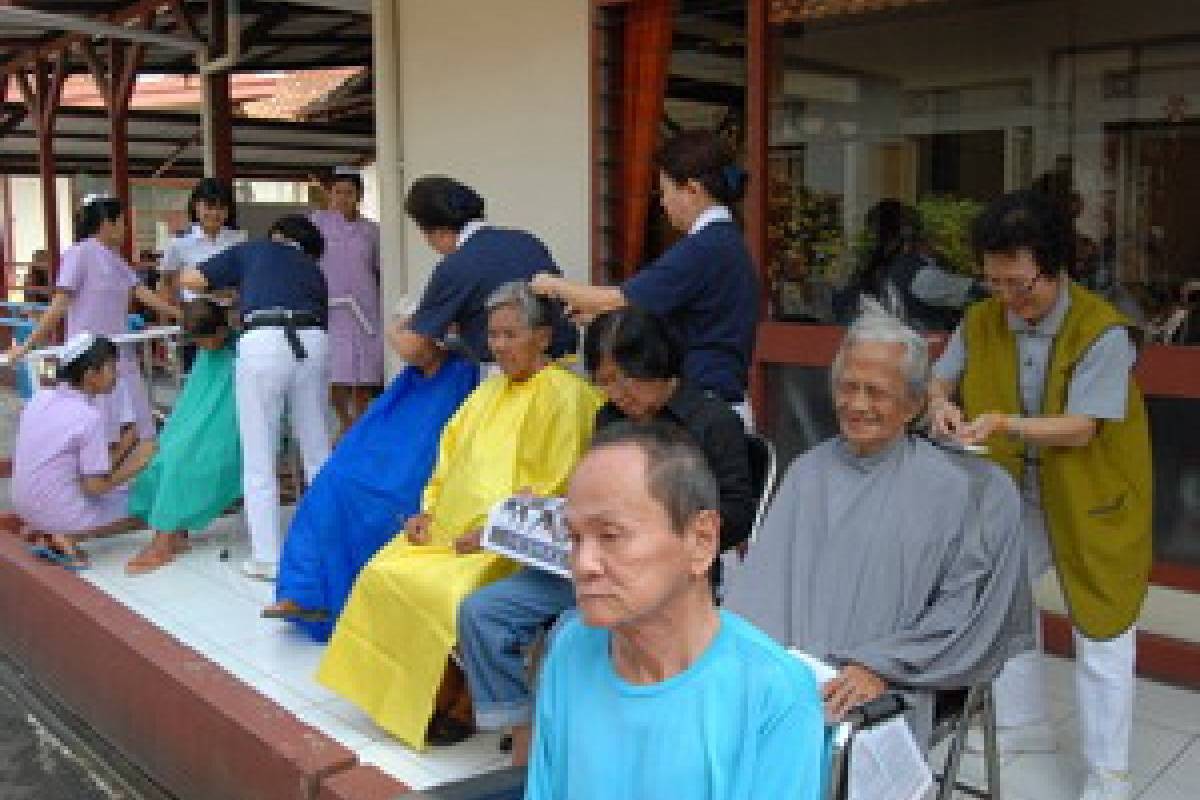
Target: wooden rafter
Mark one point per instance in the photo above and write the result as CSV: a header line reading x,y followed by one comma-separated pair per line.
x,y
58,44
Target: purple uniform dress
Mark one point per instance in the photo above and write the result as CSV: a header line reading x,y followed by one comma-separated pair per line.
x,y
100,284
351,267
62,438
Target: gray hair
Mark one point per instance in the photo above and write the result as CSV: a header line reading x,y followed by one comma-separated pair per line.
x,y
677,474
875,324
536,311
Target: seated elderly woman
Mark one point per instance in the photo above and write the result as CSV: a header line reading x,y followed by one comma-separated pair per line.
x,y
373,478
634,359
899,563
649,691
522,430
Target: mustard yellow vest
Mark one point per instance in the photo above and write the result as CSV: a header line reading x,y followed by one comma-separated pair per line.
x,y
1097,499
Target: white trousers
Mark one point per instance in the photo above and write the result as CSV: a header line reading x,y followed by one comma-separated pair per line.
x,y
268,378
1104,676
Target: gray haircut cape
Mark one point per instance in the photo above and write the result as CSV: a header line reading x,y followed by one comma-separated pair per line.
x,y
910,562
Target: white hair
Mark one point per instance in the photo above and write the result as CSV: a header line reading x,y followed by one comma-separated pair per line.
x,y
875,324
534,310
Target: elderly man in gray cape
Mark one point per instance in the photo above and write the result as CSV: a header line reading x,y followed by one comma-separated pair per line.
x,y
898,563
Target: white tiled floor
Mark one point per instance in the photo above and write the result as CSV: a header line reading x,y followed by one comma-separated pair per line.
x,y
207,604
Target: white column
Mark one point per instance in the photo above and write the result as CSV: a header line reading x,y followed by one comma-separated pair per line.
x,y
389,156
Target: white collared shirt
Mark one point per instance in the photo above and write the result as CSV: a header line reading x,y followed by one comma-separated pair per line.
x,y
469,230
709,216
189,250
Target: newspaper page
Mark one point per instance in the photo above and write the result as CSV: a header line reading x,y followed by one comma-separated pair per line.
x,y
530,530
886,764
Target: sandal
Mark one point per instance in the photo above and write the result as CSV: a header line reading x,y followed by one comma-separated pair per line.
x,y
69,557
287,609
446,731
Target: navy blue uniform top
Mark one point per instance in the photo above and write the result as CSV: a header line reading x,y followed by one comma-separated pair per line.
x,y
706,289
461,282
270,275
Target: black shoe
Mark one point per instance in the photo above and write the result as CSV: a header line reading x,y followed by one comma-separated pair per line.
x,y
447,731
506,743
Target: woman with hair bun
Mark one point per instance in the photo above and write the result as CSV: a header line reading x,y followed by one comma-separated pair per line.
x,y
93,291
477,259
705,284
282,362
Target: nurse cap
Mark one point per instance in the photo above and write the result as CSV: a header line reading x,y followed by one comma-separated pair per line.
x,y
75,347
96,197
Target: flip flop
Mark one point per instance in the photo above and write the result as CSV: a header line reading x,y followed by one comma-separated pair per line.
x,y
301,614
73,562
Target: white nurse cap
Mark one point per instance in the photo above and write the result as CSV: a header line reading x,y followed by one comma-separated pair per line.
x,y
75,347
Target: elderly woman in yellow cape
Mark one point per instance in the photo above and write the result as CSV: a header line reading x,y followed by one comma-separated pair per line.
x,y
521,430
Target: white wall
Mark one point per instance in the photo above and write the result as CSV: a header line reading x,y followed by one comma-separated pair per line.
x,y
495,94
29,232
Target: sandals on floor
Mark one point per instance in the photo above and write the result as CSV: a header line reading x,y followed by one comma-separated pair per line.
x,y
73,560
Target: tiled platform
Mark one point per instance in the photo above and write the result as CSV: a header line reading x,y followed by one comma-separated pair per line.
x,y
207,604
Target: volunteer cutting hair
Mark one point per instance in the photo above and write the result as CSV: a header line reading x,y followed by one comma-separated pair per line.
x,y
93,291
282,359
68,481
705,285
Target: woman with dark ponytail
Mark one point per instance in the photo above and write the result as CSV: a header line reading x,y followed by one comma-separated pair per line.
x,y
704,285
477,259
93,292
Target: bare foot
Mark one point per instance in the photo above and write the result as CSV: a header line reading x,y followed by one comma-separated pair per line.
x,y
159,553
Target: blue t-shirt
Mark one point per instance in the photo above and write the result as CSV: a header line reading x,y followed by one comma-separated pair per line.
x,y
461,283
744,722
706,289
270,275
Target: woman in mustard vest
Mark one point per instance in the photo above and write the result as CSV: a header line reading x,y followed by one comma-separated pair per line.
x,y
1041,372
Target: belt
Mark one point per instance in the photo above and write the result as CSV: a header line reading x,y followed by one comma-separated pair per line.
x,y
290,321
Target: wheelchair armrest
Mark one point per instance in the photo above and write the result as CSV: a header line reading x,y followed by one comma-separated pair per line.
x,y
881,709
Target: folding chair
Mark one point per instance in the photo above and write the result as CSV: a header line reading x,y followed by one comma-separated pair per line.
x,y
763,475
952,715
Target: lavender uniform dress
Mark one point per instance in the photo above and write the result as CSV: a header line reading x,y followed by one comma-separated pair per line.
x,y
351,267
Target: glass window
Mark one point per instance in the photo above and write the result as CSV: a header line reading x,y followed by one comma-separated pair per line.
x,y
889,127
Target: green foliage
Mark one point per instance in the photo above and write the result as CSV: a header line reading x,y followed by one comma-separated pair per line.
x,y
946,222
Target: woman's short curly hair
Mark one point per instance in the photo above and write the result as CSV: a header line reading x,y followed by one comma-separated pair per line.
x,y
1026,220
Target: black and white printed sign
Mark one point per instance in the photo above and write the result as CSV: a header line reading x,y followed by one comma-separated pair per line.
x,y
530,530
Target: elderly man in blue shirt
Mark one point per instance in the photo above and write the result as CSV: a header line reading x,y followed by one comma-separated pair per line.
x,y
650,691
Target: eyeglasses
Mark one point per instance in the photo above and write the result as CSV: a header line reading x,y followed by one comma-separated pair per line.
x,y
875,394
1011,287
